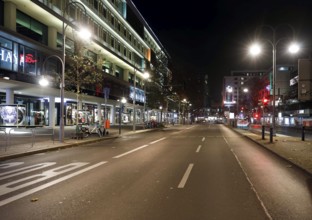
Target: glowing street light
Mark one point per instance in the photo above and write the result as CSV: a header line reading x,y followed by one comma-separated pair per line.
x,y
145,76
255,49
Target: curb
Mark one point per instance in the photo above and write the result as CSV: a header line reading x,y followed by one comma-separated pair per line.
x,y
63,146
69,145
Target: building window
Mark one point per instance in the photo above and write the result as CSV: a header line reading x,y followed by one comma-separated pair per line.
x,y
31,28
27,60
112,42
103,35
103,11
91,55
118,46
119,26
113,21
130,55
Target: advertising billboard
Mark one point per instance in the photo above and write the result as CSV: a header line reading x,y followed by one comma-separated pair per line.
x,y
12,115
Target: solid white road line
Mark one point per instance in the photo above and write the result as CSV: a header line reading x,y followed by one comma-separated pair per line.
x,y
248,179
198,149
29,192
186,176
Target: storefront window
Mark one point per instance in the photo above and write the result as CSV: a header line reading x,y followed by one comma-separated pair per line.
x,y
27,60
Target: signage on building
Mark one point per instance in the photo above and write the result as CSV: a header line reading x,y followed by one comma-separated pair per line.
x,y
9,57
139,94
12,115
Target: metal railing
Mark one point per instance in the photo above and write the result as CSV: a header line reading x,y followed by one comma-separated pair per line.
x,y
24,136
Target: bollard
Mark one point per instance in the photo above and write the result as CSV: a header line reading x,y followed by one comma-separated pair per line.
x,y
271,135
263,130
302,134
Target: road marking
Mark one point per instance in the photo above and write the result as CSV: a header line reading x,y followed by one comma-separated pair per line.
x,y
8,165
186,176
190,127
138,148
23,170
198,149
131,151
248,179
153,142
21,195
33,179
203,139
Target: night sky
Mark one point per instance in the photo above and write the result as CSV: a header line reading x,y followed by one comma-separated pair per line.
x,y
212,37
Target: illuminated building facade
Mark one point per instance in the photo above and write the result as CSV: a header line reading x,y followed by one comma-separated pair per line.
x,y
122,46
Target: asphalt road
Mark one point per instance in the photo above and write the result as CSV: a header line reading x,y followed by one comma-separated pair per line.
x,y
190,172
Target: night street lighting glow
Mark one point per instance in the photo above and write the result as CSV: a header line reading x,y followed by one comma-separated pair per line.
x,y
255,49
43,82
84,34
294,48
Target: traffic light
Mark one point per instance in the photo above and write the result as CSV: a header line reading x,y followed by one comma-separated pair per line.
x,y
265,101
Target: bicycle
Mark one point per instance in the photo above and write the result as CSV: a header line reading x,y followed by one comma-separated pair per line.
x,y
92,129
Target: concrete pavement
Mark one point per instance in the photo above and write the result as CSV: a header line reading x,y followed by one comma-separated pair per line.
x,y
293,149
22,142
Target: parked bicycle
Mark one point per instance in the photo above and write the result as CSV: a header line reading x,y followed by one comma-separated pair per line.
x,y
91,129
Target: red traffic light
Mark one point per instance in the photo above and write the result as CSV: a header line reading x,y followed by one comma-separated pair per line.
x,y
265,101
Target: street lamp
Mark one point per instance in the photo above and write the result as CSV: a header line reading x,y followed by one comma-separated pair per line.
x,y
44,82
184,102
160,108
245,90
255,49
145,76
122,103
84,34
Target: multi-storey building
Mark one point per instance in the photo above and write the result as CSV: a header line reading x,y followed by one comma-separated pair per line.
x,y
259,84
234,85
122,46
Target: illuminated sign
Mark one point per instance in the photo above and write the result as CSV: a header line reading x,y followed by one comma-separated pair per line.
x,y
12,115
8,56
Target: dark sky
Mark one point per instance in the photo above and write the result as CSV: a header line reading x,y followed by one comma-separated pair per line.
x,y
212,37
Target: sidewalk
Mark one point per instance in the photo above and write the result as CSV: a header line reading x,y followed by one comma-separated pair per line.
x,y
45,143
293,149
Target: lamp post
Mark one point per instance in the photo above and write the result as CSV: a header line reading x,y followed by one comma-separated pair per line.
x,y
245,90
145,76
184,102
133,100
160,108
44,82
255,49
122,102
83,33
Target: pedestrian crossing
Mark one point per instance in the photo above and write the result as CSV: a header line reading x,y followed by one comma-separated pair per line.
x,y
16,180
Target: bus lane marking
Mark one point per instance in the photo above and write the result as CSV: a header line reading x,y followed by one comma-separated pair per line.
x,y
46,185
